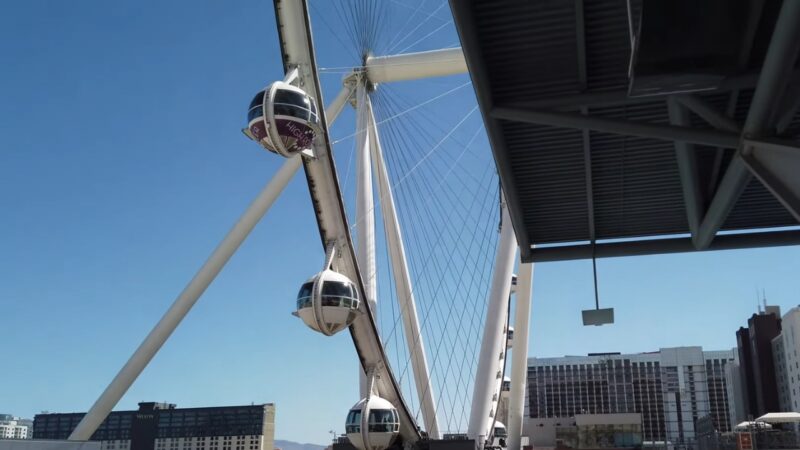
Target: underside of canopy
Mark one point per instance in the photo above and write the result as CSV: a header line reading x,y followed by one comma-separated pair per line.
x,y
633,127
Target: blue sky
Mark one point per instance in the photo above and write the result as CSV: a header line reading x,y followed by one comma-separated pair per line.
x,y
122,166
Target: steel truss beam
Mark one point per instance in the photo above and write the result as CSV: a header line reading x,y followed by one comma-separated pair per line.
x,y
775,75
776,164
586,138
662,246
747,39
626,127
620,97
687,168
788,108
708,113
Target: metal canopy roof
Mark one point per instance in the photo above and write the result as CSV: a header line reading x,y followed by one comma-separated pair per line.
x,y
597,150
780,417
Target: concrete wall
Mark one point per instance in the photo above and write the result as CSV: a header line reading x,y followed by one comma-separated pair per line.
x,y
542,432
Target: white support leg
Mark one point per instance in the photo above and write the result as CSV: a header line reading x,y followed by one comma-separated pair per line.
x,y
519,356
164,328
493,345
365,210
402,278
191,293
365,206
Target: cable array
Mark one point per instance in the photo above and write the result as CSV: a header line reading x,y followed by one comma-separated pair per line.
x,y
448,213
382,27
446,194
364,22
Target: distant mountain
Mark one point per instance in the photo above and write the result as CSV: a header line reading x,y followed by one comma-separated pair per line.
x,y
289,445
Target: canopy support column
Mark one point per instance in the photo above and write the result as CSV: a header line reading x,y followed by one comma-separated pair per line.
x,y
493,345
519,355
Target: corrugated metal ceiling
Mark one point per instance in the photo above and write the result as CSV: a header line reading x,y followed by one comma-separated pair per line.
x,y
543,49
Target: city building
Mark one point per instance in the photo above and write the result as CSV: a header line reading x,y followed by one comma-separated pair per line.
x,y
781,372
162,426
736,398
746,377
671,389
14,427
755,348
787,362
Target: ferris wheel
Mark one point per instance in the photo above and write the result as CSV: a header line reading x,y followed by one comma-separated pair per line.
x,y
289,119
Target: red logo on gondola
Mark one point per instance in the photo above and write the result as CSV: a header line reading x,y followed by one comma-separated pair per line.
x,y
258,130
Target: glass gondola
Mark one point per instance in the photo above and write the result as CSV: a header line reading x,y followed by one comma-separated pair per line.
x,y
337,298
383,424
283,119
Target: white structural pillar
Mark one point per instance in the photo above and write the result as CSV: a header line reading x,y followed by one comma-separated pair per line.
x,y
365,211
413,66
187,298
492,344
192,292
402,279
365,206
519,355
